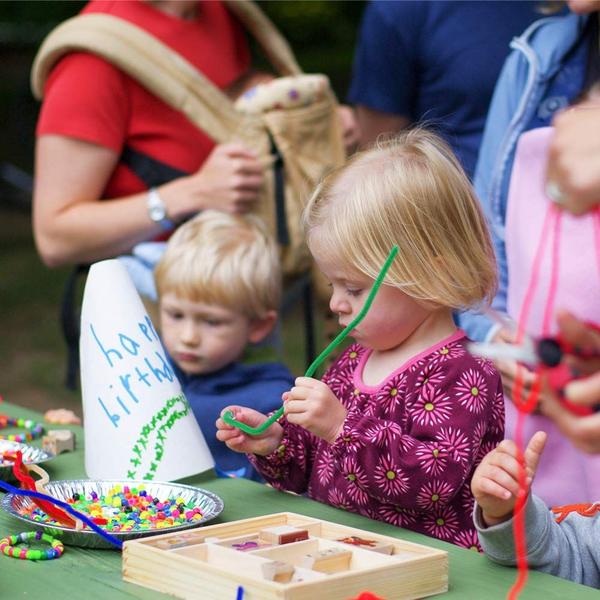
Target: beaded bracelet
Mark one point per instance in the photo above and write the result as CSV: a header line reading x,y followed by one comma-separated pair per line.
x,y
7,546
34,430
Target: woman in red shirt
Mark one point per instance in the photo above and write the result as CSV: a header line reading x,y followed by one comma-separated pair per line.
x,y
95,118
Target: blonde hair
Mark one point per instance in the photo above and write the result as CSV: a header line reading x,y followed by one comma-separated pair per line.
x,y
223,259
408,191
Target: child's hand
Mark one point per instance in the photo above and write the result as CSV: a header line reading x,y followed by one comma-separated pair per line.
x,y
495,483
237,440
312,405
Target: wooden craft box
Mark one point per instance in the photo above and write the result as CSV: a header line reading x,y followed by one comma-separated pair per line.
x,y
211,562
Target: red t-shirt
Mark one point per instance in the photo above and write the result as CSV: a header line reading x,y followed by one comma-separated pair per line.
x,y
87,98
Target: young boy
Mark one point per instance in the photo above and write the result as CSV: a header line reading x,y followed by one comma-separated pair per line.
x,y
564,543
219,288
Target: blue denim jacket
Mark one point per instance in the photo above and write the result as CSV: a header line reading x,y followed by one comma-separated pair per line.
x,y
536,57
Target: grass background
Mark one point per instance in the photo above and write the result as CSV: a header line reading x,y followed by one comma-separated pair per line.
x,y
32,349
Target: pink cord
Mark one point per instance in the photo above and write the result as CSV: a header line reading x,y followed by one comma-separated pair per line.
x,y
597,236
551,226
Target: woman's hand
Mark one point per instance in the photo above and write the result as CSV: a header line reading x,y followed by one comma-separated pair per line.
x,y
509,370
72,225
583,432
585,390
238,441
574,157
495,484
230,180
312,405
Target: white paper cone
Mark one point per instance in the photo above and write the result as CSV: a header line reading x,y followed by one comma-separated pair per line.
x,y
138,424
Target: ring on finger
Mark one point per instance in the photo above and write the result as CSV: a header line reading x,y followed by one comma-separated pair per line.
x,y
555,193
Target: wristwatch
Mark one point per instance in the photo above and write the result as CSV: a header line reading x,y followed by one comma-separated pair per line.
x,y
157,211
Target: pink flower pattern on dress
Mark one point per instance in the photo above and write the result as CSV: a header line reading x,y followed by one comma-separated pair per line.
x,y
324,468
381,435
339,499
456,443
433,406
444,353
486,365
394,515
498,411
466,500
404,457
468,540
434,493
471,391
392,394
442,523
432,457
390,477
429,375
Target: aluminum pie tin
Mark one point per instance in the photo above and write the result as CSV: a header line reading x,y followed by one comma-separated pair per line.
x,y
210,504
31,456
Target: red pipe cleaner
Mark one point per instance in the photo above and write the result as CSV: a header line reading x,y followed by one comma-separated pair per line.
x,y
21,472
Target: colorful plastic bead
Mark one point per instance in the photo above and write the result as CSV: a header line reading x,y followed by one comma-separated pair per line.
x,y
8,546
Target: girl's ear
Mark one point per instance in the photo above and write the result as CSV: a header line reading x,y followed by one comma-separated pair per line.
x,y
261,328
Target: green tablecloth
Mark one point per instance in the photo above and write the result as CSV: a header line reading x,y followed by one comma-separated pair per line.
x,y
92,574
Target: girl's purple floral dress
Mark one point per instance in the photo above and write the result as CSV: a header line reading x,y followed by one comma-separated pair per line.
x,y
409,445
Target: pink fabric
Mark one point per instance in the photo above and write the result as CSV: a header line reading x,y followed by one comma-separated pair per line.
x,y
565,475
409,445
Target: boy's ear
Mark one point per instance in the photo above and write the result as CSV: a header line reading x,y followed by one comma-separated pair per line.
x,y
261,328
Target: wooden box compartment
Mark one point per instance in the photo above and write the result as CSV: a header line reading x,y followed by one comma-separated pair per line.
x,y
212,562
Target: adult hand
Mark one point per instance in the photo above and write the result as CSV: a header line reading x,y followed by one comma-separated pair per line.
x,y
573,173
583,432
229,180
509,370
373,123
495,484
72,225
312,405
238,441
577,333
350,128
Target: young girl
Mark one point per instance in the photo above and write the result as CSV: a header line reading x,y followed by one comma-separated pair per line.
x,y
398,424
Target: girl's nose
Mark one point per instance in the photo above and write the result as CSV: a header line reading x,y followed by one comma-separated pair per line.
x,y
338,305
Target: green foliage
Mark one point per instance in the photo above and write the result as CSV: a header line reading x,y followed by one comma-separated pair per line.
x,y
322,34
38,11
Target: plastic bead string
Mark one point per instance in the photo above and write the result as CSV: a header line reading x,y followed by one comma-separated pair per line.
x,y
8,546
550,229
34,430
228,416
30,494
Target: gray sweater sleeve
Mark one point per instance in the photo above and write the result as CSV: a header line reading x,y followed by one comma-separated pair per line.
x,y
569,549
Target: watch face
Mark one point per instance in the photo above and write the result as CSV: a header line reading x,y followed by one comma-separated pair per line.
x,y
156,207
157,213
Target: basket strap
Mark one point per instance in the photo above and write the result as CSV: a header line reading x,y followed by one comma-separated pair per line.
x,y
139,54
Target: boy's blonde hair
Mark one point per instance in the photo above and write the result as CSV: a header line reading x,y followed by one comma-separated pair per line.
x,y
408,191
223,259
